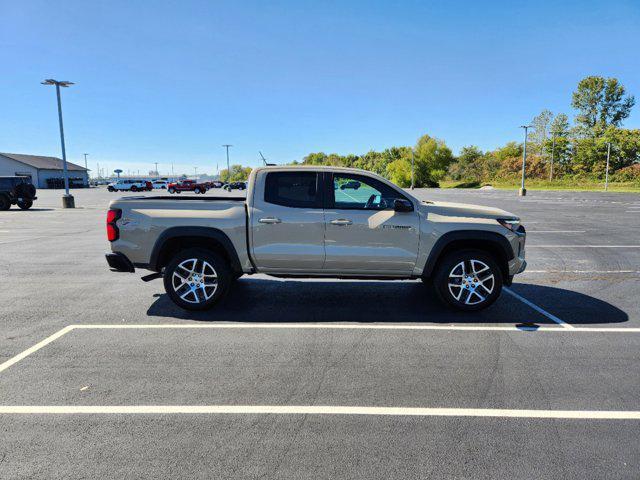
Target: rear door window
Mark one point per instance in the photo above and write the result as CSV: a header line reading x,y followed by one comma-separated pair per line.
x,y
293,189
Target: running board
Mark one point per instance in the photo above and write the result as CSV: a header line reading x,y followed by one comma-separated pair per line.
x,y
151,276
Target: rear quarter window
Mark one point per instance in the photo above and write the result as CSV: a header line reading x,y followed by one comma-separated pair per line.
x,y
293,189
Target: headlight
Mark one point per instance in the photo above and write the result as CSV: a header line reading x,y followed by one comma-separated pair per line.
x,y
510,223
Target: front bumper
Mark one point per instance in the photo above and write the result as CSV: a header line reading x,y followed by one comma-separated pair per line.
x,y
119,262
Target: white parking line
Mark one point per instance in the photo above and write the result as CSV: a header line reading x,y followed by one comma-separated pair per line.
x,y
538,309
35,348
556,231
582,271
329,326
319,410
583,246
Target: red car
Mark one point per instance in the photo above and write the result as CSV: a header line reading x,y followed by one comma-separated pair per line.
x,y
187,186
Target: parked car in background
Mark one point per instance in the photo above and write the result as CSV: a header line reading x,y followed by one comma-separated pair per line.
x,y
187,186
235,186
129,185
216,184
353,184
16,191
160,184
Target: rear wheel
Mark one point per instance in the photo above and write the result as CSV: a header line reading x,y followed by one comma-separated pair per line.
x,y
171,190
134,188
5,203
25,204
468,280
195,279
197,190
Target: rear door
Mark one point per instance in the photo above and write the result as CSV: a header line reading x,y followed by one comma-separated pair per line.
x,y
364,235
287,222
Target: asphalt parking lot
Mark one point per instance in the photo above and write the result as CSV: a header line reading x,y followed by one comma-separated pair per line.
x,y
101,376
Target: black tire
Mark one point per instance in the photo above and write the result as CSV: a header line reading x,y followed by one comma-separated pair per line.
x,y
5,203
465,297
111,189
175,287
25,204
197,190
172,191
134,188
26,190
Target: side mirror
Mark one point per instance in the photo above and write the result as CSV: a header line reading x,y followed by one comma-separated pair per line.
x,y
402,205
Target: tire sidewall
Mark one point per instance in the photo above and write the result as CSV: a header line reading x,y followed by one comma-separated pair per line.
x,y
25,204
217,262
441,279
5,203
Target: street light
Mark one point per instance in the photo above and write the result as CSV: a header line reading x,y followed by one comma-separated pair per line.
x,y
228,168
85,167
67,199
523,191
606,178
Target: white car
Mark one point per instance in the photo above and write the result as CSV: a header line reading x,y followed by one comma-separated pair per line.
x,y
160,184
127,185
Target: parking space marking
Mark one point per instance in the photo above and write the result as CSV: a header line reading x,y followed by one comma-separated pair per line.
x,y
328,326
538,309
36,347
556,231
583,246
583,271
320,410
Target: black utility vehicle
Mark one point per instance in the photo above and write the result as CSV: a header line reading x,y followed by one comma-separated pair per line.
x,y
16,191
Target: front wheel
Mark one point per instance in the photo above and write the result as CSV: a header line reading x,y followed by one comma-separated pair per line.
x,y
196,278
197,190
468,280
25,204
171,190
134,188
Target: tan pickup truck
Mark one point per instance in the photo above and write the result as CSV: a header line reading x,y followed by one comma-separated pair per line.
x,y
316,222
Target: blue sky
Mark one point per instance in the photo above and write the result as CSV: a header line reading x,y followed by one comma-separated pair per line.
x,y
170,81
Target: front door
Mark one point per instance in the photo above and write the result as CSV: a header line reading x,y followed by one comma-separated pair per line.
x,y
287,222
364,235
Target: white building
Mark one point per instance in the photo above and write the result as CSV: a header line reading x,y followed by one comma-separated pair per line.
x,y
45,172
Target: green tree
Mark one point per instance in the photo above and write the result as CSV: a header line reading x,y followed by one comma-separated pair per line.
x,y
238,174
541,123
399,172
432,159
468,165
600,102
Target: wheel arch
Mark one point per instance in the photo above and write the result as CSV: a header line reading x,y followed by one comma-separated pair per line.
x,y
491,242
174,239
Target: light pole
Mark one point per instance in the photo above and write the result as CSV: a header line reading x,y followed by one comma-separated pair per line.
x,y
85,166
156,170
606,175
228,168
413,160
523,191
553,150
67,199
195,173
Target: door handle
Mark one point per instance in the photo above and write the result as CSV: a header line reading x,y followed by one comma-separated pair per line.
x,y
270,220
341,221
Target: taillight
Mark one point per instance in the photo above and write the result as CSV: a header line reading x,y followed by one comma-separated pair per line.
x,y
112,229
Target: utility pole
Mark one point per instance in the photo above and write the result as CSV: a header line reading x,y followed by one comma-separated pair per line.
x,y
606,175
523,191
553,150
413,161
67,199
195,173
156,170
228,168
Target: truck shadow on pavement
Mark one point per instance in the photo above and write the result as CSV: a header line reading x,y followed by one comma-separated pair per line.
x,y
266,300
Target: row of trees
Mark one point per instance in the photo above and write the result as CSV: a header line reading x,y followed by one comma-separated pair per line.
x,y
555,147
